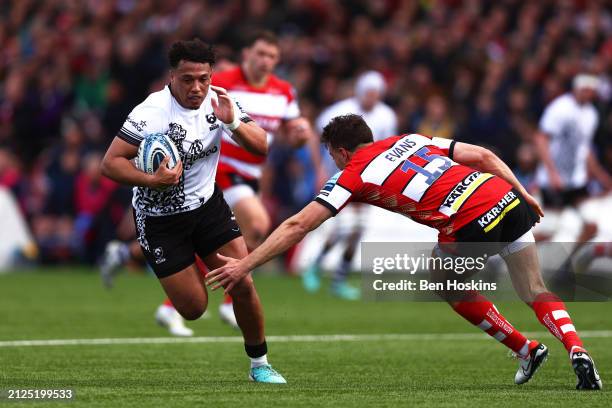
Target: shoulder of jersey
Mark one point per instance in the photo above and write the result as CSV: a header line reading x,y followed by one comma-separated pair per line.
x,y
281,84
342,107
160,100
565,101
367,154
383,107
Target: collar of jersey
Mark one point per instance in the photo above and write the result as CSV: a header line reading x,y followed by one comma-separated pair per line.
x,y
185,111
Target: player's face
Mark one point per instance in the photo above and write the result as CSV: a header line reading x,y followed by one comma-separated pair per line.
x,y
370,99
340,156
189,82
586,95
261,58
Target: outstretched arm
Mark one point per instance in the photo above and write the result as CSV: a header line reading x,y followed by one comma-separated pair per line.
x,y
289,233
486,161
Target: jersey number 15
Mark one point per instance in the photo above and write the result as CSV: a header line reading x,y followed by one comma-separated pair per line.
x,y
429,173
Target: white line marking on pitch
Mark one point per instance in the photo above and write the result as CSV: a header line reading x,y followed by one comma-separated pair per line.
x,y
322,338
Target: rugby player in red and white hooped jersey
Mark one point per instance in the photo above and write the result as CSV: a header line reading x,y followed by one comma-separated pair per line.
x,y
272,103
464,191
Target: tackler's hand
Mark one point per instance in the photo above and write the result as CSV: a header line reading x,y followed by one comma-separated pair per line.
x,y
228,275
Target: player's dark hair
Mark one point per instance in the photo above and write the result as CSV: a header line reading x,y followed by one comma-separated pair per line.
x,y
347,131
191,50
263,35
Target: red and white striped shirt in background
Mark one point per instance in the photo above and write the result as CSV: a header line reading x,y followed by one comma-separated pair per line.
x,y
268,106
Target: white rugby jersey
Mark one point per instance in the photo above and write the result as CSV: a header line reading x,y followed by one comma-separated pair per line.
x,y
197,135
381,119
571,128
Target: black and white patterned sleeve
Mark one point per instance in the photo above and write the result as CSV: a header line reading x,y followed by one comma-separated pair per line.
x,y
143,120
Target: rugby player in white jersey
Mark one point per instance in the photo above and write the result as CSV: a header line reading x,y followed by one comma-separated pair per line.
x,y
180,212
272,103
568,164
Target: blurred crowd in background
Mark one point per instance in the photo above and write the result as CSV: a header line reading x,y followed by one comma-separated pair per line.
x,y
473,70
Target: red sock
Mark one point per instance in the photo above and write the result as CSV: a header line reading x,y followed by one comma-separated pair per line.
x,y
479,311
227,299
168,302
551,312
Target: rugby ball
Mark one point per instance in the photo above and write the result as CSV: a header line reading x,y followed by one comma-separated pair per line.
x,y
153,149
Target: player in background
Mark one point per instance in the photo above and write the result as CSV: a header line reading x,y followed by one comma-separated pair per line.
x,y
367,102
180,212
568,163
464,191
272,103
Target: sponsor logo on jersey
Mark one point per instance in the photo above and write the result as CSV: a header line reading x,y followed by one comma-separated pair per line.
x,y
211,118
492,217
462,191
139,126
197,152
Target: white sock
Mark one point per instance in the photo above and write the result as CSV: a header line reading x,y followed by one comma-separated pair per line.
x,y
524,351
124,252
259,361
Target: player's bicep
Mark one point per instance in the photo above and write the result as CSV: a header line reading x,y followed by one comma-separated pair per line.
x,y
469,154
120,148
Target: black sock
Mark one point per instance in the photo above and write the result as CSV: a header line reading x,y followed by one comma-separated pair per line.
x,y
256,350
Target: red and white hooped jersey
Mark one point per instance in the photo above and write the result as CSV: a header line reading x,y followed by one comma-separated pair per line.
x,y
268,106
415,176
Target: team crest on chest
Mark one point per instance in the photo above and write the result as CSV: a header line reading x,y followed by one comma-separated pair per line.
x,y
212,120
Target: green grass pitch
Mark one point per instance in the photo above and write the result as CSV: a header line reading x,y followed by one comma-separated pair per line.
x,y
437,372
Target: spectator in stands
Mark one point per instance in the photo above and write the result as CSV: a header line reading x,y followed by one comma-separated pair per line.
x,y
526,164
92,196
436,122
